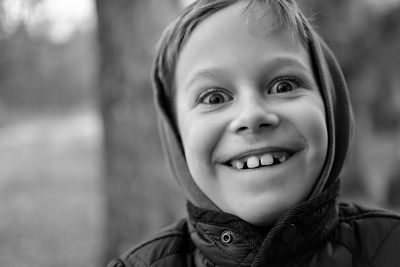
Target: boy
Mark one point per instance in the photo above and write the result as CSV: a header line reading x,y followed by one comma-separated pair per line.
x,y
256,121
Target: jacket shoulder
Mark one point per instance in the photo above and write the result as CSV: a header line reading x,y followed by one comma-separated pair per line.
x,y
170,247
351,211
371,234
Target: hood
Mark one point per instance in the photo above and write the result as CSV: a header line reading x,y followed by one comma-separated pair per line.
x,y
339,120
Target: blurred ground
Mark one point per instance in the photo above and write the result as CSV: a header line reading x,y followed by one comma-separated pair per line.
x,y
51,211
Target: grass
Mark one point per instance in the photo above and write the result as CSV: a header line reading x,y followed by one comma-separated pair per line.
x,y
51,203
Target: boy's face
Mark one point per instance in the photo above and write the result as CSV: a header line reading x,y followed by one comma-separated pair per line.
x,y
250,115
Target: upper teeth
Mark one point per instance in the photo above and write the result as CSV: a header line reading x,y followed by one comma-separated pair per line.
x,y
263,160
253,162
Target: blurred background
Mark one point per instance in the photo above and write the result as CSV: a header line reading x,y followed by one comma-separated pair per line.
x,y
82,175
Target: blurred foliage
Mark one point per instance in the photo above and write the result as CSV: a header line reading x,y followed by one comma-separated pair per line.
x,y
38,74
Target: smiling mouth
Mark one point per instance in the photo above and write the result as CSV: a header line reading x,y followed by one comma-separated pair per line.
x,y
267,159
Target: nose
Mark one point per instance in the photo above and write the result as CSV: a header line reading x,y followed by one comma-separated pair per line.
x,y
253,116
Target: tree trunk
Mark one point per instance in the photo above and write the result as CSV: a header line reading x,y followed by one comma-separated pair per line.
x,y
139,197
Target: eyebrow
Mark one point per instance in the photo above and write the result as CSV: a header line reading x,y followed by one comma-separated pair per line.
x,y
286,61
210,73
213,73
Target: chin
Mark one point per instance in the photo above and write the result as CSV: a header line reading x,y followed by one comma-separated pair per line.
x,y
261,216
261,219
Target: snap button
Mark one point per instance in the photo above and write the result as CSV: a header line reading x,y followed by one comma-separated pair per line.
x,y
289,233
227,237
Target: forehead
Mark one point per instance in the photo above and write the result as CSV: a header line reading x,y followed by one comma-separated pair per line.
x,y
238,35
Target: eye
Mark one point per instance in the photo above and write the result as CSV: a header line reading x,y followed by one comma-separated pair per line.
x,y
214,96
284,85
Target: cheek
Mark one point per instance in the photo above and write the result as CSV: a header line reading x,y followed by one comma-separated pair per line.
x,y
309,119
200,136
314,129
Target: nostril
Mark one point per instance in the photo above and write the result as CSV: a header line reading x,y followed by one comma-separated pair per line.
x,y
263,125
254,121
242,129
254,127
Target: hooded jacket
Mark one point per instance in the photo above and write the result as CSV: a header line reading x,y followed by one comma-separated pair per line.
x,y
318,232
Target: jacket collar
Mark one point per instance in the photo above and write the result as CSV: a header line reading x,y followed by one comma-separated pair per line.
x,y
227,240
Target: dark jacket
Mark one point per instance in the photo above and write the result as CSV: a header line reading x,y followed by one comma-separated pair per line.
x,y
322,234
